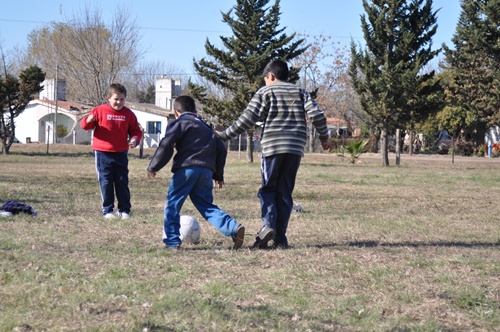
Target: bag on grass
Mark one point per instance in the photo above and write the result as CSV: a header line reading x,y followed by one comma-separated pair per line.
x,y
17,207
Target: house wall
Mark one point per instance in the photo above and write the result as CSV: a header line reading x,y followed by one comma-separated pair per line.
x,y
167,89
151,140
31,126
48,91
27,125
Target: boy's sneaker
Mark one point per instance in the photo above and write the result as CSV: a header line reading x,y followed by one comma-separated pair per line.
x,y
239,237
172,247
109,215
282,246
258,244
124,215
265,234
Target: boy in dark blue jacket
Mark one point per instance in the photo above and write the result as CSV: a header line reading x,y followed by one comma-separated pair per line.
x,y
200,158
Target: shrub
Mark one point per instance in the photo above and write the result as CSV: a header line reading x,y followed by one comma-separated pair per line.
x,y
356,149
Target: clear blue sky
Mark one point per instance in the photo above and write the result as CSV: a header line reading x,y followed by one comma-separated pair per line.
x,y
176,31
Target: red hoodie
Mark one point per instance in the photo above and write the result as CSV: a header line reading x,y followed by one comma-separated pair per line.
x,y
112,129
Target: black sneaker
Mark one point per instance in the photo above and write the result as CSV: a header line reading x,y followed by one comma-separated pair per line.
x,y
265,234
258,244
239,237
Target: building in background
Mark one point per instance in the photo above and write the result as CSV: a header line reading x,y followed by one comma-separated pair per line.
x,y
38,121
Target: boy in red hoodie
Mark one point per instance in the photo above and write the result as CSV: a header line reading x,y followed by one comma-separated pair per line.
x,y
115,131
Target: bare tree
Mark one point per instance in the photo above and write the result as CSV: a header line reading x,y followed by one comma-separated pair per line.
x,y
141,82
324,73
86,52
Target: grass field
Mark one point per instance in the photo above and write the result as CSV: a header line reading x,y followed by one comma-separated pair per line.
x,y
414,247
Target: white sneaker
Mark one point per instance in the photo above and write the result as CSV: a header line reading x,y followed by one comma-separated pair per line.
x,y
109,216
124,215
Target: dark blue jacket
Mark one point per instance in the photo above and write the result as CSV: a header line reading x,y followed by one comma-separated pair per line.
x,y
196,145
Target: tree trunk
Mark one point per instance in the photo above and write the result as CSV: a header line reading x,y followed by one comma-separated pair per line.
x,y
312,138
250,146
410,148
453,150
384,145
398,146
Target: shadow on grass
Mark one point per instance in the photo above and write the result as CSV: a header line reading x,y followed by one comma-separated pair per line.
x,y
363,244
373,244
73,154
54,154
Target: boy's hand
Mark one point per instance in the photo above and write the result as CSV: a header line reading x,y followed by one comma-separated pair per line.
x,y
327,146
151,174
132,143
90,118
218,184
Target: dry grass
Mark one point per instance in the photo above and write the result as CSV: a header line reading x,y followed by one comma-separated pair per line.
x,y
408,248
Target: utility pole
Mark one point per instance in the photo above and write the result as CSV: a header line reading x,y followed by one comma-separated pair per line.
x,y
56,87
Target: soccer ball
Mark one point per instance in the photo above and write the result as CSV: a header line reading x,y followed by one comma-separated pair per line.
x,y
190,229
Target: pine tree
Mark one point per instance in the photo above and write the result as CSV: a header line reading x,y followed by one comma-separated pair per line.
x,y
475,64
15,94
237,68
387,73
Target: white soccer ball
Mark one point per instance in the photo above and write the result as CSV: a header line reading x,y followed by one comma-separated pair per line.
x,y
190,229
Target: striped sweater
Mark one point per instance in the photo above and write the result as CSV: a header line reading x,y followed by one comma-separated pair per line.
x,y
282,108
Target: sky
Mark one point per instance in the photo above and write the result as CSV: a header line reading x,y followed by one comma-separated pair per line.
x,y
175,32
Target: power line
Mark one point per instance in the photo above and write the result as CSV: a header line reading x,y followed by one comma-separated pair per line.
x,y
139,27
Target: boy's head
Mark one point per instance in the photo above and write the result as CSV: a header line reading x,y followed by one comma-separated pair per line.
x,y
184,104
276,70
117,88
116,96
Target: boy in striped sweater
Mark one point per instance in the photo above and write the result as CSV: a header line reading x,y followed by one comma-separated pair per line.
x,y
283,108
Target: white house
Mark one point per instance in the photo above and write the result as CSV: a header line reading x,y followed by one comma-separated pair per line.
x,y
36,123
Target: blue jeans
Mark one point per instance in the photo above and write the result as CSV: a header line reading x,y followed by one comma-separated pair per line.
x,y
278,181
195,182
112,173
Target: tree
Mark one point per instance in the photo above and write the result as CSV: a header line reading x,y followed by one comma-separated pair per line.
x,y
325,68
86,52
237,67
475,66
15,94
387,74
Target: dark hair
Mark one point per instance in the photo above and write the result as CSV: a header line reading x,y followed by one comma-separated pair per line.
x,y
278,68
185,104
116,88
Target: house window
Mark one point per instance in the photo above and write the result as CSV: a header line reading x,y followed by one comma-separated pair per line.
x,y
154,127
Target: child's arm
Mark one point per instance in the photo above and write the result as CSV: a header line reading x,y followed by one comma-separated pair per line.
x,y
220,162
135,133
88,122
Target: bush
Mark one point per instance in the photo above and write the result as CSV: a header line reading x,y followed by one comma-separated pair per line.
x,y
62,131
482,150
